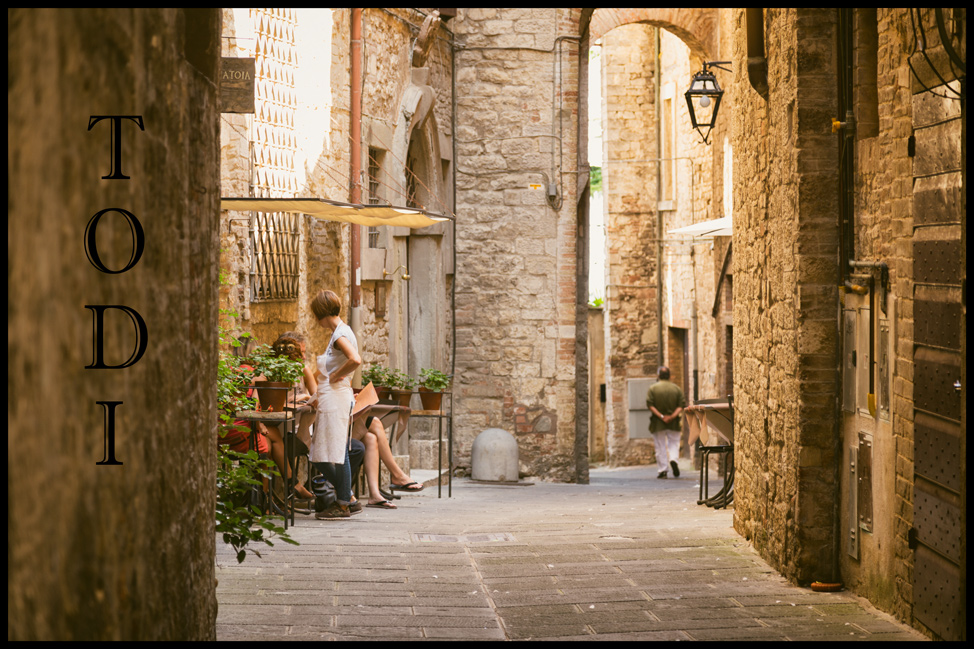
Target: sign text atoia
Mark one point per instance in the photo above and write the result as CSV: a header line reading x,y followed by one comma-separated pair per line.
x,y
98,310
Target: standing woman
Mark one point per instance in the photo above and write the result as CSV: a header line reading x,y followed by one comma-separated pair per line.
x,y
329,446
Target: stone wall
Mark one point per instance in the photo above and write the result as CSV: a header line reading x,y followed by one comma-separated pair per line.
x,y
516,251
630,194
785,256
124,551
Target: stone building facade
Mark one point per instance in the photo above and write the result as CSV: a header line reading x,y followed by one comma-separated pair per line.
x,y
297,143
850,443
99,550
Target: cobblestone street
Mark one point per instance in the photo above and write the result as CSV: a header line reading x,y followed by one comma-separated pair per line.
x,y
627,557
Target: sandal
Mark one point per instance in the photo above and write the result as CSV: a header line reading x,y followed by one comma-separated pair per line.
x,y
382,504
407,487
388,495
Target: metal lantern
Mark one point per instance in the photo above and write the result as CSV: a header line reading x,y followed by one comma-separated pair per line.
x,y
703,98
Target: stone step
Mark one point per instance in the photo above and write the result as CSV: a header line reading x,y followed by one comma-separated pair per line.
x,y
424,454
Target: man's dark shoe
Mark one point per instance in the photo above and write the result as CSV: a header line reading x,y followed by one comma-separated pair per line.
x,y
676,469
662,474
334,512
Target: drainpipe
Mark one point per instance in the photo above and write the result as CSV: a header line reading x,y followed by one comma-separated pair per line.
x,y
355,184
659,189
757,63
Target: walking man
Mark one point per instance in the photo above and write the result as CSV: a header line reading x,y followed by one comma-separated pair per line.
x,y
666,401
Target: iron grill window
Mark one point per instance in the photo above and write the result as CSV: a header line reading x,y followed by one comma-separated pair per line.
x,y
374,155
274,274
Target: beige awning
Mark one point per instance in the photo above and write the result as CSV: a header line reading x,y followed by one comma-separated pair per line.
x,y
721,227
370,215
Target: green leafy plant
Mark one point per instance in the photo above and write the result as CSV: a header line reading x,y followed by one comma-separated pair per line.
x,y
378,375
402,380
274,367
239,520
239,476
434,380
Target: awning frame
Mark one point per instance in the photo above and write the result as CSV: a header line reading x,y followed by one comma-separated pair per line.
x,y
329,210
722,227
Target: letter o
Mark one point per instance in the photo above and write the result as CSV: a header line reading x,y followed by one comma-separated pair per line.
x,y
138,240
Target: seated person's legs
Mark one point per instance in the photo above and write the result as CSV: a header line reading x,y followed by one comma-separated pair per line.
x,y
277,454
396,475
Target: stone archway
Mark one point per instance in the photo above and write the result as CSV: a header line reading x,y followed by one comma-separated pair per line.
x,y
696,27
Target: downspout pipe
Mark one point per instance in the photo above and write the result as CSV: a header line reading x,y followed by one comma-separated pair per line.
x,y
757,63
355,134
355,172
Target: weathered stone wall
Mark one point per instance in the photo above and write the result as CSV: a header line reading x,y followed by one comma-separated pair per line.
x,y
882,571
785,256
112,552
630,182
516,256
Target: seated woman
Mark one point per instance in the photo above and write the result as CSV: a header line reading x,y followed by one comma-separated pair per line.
x,y
293,345
372,433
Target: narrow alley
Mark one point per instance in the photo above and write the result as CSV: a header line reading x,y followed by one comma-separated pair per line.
x,y
627,557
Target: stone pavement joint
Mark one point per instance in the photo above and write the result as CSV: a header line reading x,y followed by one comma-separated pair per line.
x,y
626,557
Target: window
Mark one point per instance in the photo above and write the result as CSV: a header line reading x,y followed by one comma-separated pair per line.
x,y
274,269
375,168
667,148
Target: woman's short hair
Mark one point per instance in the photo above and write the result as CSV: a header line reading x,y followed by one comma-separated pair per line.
x,y
325,304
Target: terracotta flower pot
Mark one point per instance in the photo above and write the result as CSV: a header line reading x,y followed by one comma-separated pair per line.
x,y
272,399
385,393
402,397
431,400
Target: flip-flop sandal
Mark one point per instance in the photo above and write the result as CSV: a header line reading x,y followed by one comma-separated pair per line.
x,y
406,487
388,495
383,504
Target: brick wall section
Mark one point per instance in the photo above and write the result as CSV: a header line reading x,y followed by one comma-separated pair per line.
x,y
516,256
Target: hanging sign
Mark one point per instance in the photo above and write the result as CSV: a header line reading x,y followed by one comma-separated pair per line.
x,y
237,85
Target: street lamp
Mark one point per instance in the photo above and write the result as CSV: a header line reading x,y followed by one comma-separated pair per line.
x,y
703,98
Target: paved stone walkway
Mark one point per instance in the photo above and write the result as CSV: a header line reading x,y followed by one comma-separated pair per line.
x,y
627,557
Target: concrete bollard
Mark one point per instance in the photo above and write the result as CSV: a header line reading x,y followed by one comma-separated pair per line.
x,y
493,456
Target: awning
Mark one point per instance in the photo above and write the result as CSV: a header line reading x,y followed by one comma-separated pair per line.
x,y
370,215
721,227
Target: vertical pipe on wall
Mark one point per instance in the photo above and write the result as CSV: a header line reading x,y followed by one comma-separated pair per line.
x,y
355,172
757,62
659,187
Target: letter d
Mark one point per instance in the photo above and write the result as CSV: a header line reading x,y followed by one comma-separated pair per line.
x,y
98,336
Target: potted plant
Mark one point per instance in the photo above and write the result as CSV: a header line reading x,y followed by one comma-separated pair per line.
x,y
280,374
432,383
379,376
402,386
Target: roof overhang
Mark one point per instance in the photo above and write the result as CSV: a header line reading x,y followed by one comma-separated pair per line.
x,y
721,227
326,210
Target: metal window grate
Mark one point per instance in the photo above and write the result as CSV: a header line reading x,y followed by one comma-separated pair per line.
x,y
374,199
274,273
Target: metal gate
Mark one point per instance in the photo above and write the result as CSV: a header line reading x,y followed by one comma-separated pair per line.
x,y
939,266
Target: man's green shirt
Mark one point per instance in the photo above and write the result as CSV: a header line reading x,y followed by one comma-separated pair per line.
x,y
666,397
